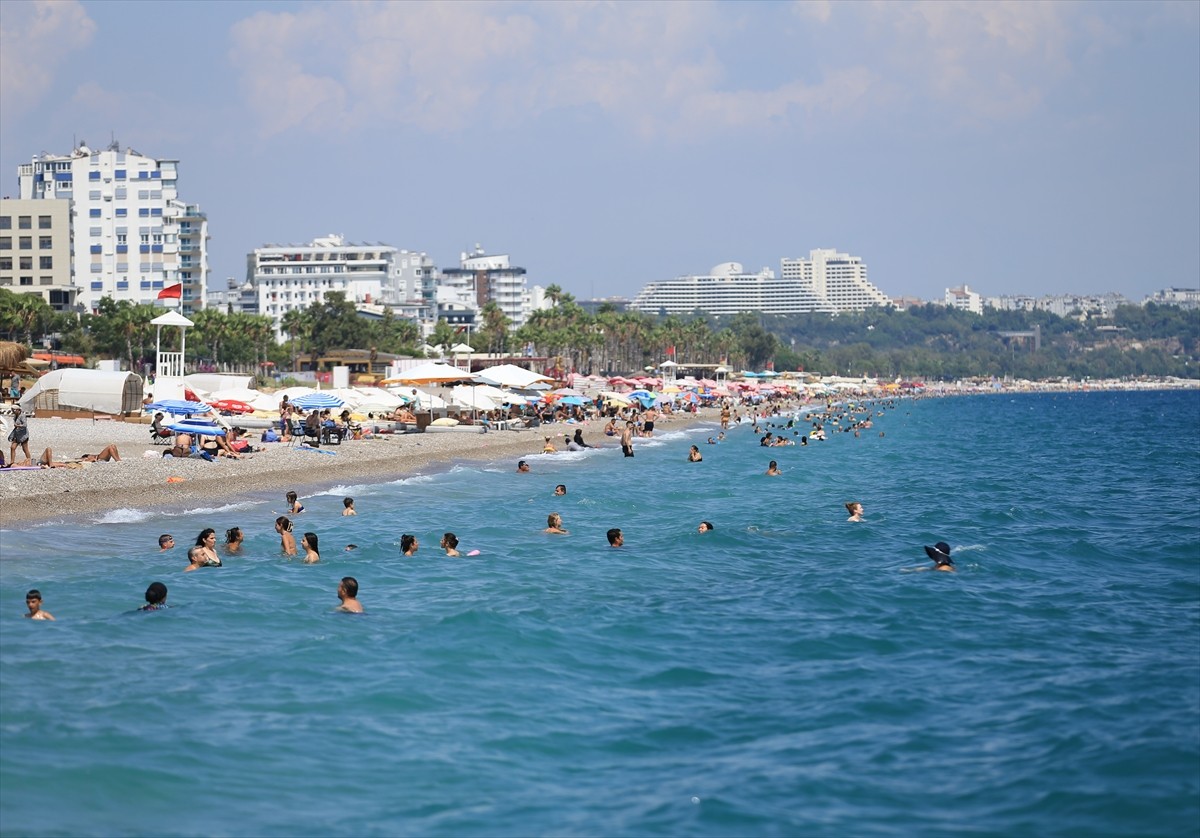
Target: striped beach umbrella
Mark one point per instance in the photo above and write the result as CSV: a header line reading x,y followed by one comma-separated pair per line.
x,y
317,401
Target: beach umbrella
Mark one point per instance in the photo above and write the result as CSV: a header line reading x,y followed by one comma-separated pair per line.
x,y
434,372
317,401
510,375
231,406
197,429
575,400
178,407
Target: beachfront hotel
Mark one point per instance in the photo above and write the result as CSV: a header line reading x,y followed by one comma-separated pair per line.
x,y
827,281
35,250
494,280
131,234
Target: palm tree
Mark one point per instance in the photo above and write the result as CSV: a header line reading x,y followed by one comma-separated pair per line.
x,y
297,324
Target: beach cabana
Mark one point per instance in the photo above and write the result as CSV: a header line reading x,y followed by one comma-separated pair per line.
x,y
434,372
510,375
99,391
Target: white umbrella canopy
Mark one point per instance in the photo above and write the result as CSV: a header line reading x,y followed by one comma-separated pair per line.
x,y
461,348
238,394
434,372
485,390
426,401
474,402
510,375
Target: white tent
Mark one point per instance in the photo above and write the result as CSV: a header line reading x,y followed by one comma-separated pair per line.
x,y
211,382
426,401
97,390
434,372
510,375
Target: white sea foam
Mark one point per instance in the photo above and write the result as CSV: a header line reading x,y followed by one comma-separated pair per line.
x,y
123,516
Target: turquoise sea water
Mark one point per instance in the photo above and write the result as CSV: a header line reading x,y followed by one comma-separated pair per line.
x,y
783,675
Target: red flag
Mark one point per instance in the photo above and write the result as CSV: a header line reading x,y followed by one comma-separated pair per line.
x,y
170,291
670,350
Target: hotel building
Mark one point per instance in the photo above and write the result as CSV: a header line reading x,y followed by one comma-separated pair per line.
x,y
35,250
132,235
839,280
726,289
493,279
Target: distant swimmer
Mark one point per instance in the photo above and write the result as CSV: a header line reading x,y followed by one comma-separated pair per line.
x,y
705,526
560,489
773,469
449,543
33,601
940,553
554,524
287,541
311,553
855,509
234,539
156,597
409,544
348,507
166,542
348,594
694,455
295,507
522,467
616,538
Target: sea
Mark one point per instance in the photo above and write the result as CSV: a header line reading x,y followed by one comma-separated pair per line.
x,y
787,674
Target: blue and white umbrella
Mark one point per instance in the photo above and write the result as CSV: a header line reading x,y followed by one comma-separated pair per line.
x,y
197,428
178,407
317,401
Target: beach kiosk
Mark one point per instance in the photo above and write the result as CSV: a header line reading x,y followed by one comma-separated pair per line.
x,y
168,365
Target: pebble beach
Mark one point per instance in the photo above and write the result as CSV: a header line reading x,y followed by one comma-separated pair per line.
x,y
140,479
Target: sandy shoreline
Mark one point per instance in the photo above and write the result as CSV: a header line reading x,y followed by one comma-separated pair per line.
x,y
140,482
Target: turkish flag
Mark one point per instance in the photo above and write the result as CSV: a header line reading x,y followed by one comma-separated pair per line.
x,y
170,291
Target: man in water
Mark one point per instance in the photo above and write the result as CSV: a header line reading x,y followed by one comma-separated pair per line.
x,y
348,593
522,467
627,440
166,542
615,537
705,526
560,489
33,601
156,597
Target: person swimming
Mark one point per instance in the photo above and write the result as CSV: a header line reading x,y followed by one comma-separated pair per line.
x,y
348,594
234,539
705,526
773,469
940,553
156,597
554,524
287,541
409,544
348,504
312,554
855,509
449,543
295,507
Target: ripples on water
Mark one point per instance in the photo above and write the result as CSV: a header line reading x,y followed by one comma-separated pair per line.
x,y
783,672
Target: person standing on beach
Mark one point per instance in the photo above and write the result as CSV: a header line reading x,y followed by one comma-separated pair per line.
x,y
348,594
19,436
287,541
33,601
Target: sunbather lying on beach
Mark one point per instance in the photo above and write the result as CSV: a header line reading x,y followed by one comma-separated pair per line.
x,y
46,460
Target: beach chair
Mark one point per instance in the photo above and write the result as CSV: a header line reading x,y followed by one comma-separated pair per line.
x,y
163,437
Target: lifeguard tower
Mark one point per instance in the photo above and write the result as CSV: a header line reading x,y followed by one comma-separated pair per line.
x,y
168,366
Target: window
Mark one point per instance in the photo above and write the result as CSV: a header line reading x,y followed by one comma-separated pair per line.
x,y
156,212
45,242
5,222
143,212
94,195
27,280
120,173
121,238
122,212
95,248
143,194
5,242
43,222
95,231
46,263
94,175
26,263
46,280
94,212
5,263
24,222
143,175
26,243
121,193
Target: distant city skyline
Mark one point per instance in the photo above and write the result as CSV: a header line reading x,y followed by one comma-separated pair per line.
x,y
1018,148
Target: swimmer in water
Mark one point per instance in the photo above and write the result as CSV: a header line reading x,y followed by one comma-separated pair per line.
x,y
156,597
855,509
287,541
705,526
348,503
348,594
554,524
295,507
234,539
166,542
694,455
309,542
560,489
773,469
522,467
350,547
940,553
196,559
409,544
33,601
207,541
616,538
449,543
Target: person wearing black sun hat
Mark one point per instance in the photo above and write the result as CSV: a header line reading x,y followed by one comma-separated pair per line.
x,y
940,553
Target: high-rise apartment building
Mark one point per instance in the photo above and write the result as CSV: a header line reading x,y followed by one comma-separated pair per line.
x,y
726,289
493,279
964,299
35,250
838,279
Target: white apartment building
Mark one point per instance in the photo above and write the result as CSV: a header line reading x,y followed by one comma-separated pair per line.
x,y
493,279
838,280
293,277
1188,298
727,289
964,299
35,250
132,235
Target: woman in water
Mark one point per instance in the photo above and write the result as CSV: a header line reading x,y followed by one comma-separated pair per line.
x,y
773,469
694,455
309,542
450,544
207,542
233,540
554,524
295,507
855,509
408,544
287,541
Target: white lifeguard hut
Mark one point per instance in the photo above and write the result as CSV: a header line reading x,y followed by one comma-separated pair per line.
x,y
168,366
668,369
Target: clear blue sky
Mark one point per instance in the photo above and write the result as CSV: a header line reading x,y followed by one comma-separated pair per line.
x,y
1018,147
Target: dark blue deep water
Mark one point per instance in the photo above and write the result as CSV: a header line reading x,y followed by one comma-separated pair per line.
x,y
787,674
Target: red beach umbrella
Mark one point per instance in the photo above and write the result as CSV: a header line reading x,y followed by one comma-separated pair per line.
x,y
231,406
